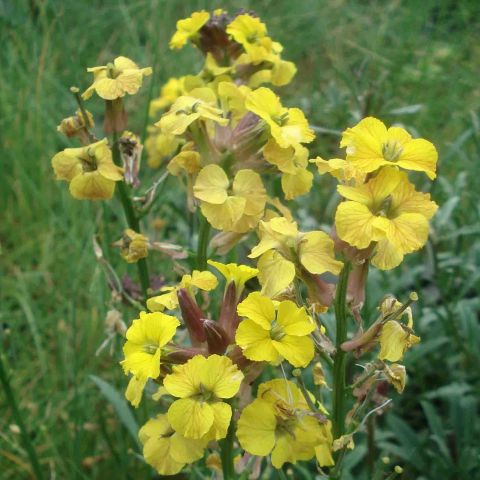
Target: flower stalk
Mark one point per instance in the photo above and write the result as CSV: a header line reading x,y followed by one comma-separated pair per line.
x,y
339,362
226,452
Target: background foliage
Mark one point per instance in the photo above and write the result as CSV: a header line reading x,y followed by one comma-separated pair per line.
x,y
411,62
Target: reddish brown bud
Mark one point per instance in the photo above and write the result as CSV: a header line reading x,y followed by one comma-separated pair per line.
x,y
177,354
229,319
115,116
192,317
217,338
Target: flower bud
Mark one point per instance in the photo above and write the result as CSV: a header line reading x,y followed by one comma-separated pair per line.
x,y
131,154
229,319
192,317
178,354
217,338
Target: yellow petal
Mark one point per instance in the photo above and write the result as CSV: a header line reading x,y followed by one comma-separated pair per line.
x,y
190,418
258,308
203,280
294,185
222,414
394,341
66,165
186,450
408,232
275,273
316,253
298,351
256,428
239,274
419,155
248,184
92,186
211,185
386,255
294,320
184,381
221,376
135,388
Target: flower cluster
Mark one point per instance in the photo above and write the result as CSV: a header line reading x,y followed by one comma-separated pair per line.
x,y
257,369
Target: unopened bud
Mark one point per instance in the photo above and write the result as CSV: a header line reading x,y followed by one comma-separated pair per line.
x,y
398,469
192,316
217,338
229,319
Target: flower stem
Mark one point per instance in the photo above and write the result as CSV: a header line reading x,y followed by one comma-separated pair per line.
x,y
339,364
27,444
202,245
132,219
226,452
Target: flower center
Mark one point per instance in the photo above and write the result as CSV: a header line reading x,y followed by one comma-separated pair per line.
x,y
150,348
281,119
391,150
89,162
205,394
276,333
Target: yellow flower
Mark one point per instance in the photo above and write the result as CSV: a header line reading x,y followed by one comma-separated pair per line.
x,y
292,161
279,422
388,210
396,375
188,28
145,339
201,384
237,212
200,104
90,171
115,79
251,33
165,449
283,250
371,145
134,246
197,280
288,126
239,274
272,332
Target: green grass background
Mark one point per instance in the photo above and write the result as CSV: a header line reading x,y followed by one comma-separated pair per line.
x,y
412,62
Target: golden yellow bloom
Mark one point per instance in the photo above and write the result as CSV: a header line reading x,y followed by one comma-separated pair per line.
x,y
90,171
145,339
251,33
77,126
239,211
188,28
115,79
370,145
283,250
197,280
288,126
232,98
388,210
200,104
165,449
239,274
279,422
201,384
134,246
135,388
396,375
274,331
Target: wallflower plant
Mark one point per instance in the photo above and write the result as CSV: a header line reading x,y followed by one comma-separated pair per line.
x,y
241,360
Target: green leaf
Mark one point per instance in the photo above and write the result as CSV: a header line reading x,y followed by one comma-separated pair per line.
x,y
120,405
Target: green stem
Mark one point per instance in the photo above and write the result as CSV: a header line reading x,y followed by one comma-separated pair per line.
x,y
131,218
27,444
202,245
339,361
226,452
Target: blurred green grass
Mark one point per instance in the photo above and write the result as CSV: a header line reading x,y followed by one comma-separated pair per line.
x,y
413,62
